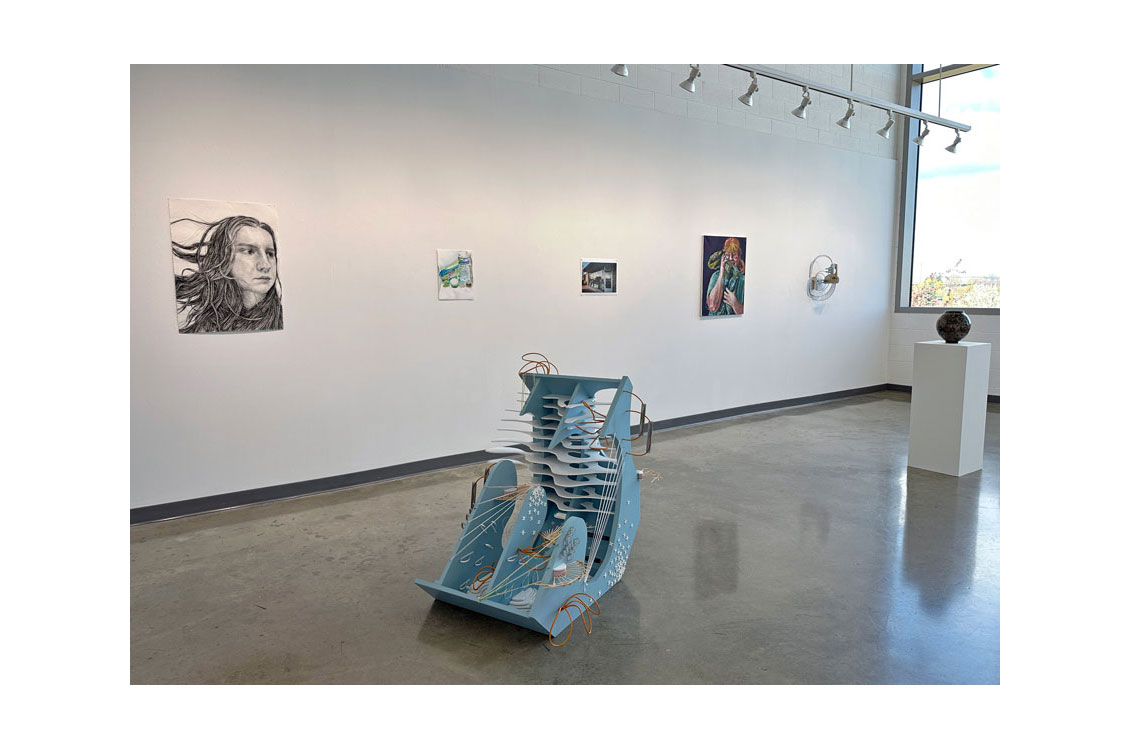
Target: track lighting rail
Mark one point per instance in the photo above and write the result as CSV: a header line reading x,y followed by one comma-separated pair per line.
x,y
780,75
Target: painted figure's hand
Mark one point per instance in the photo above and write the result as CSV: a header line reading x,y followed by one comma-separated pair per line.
x,y
731,299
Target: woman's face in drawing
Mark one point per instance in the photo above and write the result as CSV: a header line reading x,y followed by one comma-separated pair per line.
x,y
253,263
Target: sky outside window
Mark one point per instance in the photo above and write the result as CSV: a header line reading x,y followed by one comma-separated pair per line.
x,y
957,220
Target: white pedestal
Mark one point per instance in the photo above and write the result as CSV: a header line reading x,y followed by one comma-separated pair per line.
x,y
947,406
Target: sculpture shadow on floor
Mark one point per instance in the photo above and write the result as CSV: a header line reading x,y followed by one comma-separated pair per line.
x,y
481,643
474,639
939,553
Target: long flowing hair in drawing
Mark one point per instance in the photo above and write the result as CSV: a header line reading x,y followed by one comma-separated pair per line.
x,y
209,293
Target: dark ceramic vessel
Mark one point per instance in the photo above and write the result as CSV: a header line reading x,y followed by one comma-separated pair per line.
x,y
953,326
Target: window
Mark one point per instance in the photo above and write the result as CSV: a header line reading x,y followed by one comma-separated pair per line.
x,y
949,248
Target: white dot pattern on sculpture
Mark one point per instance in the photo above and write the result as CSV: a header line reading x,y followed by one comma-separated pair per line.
x,y
619,560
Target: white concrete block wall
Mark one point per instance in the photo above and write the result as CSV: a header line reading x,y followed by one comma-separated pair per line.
x,y
908,328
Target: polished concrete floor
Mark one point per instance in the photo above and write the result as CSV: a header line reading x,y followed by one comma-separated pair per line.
x,y
786,547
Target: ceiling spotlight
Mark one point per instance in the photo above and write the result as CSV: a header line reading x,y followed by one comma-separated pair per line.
x,y
845,121
620,70
885,131
747,97
688,85
952,148
804,102
922,136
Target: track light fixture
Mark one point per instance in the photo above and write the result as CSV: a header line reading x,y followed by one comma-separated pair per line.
x,y
620,70
885,131
849,95
952,148
688,85
747,97
845,121
804,102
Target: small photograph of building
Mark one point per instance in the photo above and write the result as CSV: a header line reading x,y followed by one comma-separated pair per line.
x,y
598,276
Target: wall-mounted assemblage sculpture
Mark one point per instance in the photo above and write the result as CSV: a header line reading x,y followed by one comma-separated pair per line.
x,y
823,277
953,326
540,554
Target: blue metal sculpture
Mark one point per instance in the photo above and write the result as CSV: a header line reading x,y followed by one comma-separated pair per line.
x,y
571,529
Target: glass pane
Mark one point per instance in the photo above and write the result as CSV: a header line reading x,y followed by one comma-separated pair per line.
x,y
957,216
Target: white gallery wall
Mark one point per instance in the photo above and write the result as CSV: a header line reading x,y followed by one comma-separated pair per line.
x,y
531,168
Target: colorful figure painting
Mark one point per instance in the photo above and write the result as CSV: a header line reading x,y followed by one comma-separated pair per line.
x,y
456,275
225,266
723,276
598,276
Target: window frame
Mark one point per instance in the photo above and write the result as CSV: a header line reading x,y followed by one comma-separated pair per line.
x,y
914,76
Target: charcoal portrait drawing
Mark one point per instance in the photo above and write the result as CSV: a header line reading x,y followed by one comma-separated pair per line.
x,y
225,266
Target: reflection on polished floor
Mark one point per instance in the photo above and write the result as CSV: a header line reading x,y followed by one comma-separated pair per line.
x,y
785,547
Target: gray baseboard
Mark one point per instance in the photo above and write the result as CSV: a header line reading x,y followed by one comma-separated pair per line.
x,y
227,500
738,411
906,389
